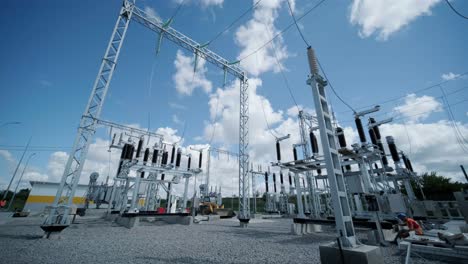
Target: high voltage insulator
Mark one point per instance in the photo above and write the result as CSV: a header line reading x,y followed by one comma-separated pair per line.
x,y
384,157
164,158
281,178
375,128
146,155
266,181
189,162
179,156
200,158
319,171
129,152
154,159
372,136
393,149
407,162
140,145
172,155
278,151
303,182
313,66
290,179
274,182
313,143
295,153
124,151
341,137
360,129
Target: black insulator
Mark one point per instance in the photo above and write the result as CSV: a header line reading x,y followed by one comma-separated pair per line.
x,y
146,155
313,143
384,157
278,151
410,165
178,158
303,182
375,128
142,175
164,158
154,159
319,171
189,162
129,152
119,168
341,137
393,149
290,180
163,176
360,130
172,154
140,145
376,166
266,181
372,136
124,151
200,158
281,178
295,153
274,182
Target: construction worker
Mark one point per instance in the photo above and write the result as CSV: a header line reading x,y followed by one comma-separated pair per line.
x,y
411,224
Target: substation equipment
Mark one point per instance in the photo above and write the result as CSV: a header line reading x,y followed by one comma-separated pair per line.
x,y
59,218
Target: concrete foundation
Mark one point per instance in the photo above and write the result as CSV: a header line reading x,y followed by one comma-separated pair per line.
x,y
300,229
364,254
128,222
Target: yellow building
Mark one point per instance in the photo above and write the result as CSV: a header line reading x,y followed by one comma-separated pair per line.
x,y
43,193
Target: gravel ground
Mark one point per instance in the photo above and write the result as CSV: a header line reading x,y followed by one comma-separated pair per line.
x,y
94,240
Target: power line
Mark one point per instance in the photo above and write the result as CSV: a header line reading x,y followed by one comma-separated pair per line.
x,y
177,10
454,10
333,89
234,22
421,102
285,79
297,26
415,91
282,31
321,68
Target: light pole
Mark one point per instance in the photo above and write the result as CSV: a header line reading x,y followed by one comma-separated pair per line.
x,y
16,170
19,181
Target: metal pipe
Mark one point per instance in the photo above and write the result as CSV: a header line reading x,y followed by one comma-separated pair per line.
x,y
19,181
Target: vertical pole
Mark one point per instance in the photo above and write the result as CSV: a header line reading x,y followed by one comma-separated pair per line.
x,y
244,202
343,220
300,206
16,169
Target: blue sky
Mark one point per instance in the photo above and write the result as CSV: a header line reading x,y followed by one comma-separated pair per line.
x,y
51,51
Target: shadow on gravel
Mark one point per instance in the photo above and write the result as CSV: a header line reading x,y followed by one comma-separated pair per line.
x,y
188,260
22,237
307,239
252,233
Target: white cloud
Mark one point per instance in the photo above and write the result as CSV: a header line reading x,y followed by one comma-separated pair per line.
x,y
255,33
185,79
152,13
176,120
419,108
386,17
450,76
202,3
177,106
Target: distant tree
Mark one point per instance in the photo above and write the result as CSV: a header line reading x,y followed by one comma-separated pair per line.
x,y
436,187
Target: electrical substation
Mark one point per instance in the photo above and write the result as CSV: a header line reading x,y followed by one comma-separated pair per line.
x,y
344,199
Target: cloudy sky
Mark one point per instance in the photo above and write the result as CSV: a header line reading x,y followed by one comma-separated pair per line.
x,y
403,55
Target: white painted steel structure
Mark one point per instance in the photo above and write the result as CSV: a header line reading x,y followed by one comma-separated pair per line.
x,y
66,191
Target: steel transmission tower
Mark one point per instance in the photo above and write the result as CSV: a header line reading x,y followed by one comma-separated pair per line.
x,y
58,218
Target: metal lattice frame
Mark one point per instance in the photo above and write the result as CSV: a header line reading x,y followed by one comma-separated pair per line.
x,y
315,202
244,201
342,211
71,175
64,197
